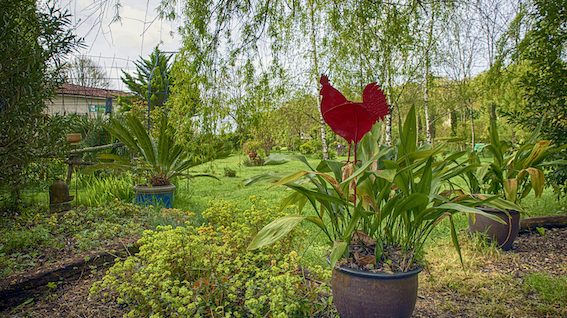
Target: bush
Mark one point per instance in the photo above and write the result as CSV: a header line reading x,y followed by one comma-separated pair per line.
x,y
34,44
207,271
314,147
253,148
253,162
310,147
231,173
43,172
91,129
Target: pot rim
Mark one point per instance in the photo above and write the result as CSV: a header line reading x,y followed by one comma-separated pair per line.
x,y
379,275
494,210
154,189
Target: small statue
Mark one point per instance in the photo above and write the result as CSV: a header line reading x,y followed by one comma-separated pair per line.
x,y
59,198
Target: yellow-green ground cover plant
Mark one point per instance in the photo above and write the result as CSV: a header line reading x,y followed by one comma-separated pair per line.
x,y
37,237
206,271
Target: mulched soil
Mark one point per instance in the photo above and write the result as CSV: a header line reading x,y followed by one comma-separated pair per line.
x,y
60,258
69,300
531,253
536,253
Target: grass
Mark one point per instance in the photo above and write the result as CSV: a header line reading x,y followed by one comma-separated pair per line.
x,y
551,289
196,194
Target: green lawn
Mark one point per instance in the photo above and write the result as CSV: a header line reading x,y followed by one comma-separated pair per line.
x,y
196,194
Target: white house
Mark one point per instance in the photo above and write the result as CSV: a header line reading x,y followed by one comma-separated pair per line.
x,y
76,99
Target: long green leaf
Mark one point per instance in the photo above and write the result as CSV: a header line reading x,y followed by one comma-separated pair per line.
x,y
455,240
291,178
466,209
119,131
339,249
143,139
275,231
316,195
264,176
408,138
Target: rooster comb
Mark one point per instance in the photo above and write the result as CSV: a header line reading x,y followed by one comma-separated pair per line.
x,y
324,79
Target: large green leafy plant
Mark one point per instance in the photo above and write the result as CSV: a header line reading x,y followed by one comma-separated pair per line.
x,y
161,157
402,194
512,172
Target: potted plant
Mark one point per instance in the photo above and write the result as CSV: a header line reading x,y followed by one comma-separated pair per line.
x,y
511,174
160,159
376,215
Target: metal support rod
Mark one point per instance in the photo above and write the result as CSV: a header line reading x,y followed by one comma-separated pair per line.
x,y
96,148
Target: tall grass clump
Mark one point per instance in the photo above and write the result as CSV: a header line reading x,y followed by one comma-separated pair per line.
x,y
98,190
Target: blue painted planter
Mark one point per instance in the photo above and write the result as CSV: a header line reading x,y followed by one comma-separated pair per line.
x,y
157,196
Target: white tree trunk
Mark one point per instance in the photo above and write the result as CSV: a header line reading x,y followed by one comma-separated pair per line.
x,y
427,55
388,120
472,129
315,58
426,109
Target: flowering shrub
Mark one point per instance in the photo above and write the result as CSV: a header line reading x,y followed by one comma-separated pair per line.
x,y
207,271
255,153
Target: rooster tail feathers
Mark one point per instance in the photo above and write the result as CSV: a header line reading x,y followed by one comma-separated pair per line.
x,y
374,101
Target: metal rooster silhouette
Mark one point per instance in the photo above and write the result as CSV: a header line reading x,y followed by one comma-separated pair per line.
x,y
352,120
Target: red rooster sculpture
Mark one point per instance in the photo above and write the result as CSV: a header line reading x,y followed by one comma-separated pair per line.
x,y
348,119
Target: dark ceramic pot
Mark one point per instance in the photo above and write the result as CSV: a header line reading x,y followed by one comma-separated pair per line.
x,y
358,294
503,234
157,196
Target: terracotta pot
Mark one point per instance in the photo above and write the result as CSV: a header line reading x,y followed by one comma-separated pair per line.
x,y
74,138
503,234
358,294
157,195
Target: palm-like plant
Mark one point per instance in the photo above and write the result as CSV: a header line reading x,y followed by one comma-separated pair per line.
x,y
164,158
151,74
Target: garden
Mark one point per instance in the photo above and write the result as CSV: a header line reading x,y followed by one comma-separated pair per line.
x,y
235,179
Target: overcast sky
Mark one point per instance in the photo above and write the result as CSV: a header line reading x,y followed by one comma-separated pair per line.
x,y
114,46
